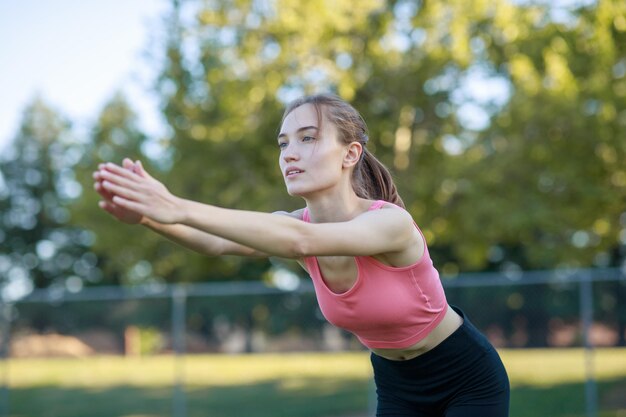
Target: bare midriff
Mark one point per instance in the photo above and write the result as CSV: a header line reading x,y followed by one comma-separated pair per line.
x,y
444,329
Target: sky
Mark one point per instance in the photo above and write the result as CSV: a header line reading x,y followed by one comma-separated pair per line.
x,y
75,55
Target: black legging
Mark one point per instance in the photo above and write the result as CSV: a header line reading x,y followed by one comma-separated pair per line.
x,y
461,377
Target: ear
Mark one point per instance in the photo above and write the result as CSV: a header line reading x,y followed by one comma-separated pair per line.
x,y
352,155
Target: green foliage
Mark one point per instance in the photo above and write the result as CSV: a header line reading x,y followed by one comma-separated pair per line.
x,y
123,249
39,246
150,340
502,122
538,185
547,179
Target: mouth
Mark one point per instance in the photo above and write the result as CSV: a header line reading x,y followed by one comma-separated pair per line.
x,y
290,172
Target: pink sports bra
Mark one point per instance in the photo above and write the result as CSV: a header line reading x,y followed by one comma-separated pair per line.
x,y
387,307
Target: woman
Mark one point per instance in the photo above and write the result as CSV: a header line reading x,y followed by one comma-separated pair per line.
x,y
367,258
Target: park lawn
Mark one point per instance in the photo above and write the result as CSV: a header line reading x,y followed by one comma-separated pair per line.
x,y
550,382
545,383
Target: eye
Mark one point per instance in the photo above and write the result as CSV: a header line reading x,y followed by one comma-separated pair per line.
x,y
282,145
307,138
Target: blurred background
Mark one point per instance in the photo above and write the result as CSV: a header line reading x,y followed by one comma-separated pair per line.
x,y
502,121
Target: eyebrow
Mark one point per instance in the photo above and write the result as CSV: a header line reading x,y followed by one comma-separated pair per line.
x,y
299,130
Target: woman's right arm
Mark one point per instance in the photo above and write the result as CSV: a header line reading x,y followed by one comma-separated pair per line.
x,y
199,241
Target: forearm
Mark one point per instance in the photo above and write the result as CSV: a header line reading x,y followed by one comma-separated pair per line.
x,y
203,228
265,232
197,240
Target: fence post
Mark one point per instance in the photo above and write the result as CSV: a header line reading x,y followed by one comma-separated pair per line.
x,y
586,316
179,307
5,334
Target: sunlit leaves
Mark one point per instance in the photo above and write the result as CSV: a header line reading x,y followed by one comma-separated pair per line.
x,y
501,119
503,122
40,246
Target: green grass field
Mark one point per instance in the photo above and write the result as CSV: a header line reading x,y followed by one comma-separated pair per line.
x,y
546,383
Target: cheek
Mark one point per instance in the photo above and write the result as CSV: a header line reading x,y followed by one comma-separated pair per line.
x,y
324,156
327,172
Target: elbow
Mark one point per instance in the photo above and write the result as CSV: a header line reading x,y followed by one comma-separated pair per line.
x,y
211,251
213,248
297,251
299,246
290,250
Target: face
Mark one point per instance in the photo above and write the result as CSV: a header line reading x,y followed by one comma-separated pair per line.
x,y
310,160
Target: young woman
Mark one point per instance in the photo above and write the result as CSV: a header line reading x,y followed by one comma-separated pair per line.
x,y
367,258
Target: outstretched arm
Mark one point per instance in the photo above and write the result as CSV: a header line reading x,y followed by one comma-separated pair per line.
x,y
194,239
371,233
199,241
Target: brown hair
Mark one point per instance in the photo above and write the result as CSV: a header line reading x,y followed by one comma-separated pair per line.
x,y
370,178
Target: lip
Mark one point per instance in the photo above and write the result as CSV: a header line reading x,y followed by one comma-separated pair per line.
x,y
290,172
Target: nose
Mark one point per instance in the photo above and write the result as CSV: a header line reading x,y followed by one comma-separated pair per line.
x,y
290,154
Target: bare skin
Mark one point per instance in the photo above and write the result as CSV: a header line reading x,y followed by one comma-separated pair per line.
x,y
317,167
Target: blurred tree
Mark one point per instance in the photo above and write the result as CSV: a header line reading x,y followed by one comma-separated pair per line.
x,y
39,247
545,184
229,71
128,254
500,120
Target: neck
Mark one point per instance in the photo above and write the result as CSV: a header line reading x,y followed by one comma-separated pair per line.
x,y
337,208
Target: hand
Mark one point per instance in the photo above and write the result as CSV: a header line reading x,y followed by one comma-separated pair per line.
x,y
120,213
136,191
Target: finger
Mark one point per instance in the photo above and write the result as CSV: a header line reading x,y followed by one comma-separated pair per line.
x,y
104,193
129,204
127,163
118,170
117,190
113,209
97,175
119,180
104,204
98,187
139,169
108,207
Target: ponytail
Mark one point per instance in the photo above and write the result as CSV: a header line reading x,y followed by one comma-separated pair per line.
x,y
371,179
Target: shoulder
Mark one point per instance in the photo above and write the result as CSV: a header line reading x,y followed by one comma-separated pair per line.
x,y
296,214
388,205
393,218
402,225
390,210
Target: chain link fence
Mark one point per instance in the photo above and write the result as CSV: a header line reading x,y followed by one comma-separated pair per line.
x,y
519,310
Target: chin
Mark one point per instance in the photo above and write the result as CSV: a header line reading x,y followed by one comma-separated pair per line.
x,y
304,190
295,193
298,191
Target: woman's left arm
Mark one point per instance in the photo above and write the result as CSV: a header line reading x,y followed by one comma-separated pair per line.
x,y
371,233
